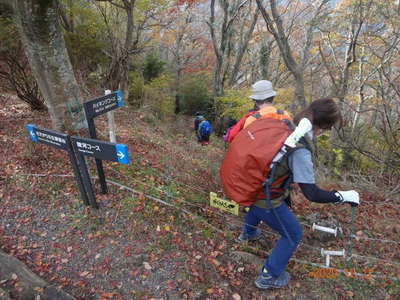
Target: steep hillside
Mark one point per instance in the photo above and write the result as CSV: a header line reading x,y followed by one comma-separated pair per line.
x,y
155,235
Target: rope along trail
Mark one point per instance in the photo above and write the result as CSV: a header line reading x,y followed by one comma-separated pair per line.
x,y
294,259
153,198
207,193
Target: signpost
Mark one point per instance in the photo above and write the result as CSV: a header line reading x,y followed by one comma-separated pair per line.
x,y
81,147
94,108
60,141
101,151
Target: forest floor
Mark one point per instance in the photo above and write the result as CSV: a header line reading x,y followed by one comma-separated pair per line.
x,y
155,235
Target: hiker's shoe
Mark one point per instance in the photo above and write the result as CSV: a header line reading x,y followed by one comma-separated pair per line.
x,y
245,237
266,280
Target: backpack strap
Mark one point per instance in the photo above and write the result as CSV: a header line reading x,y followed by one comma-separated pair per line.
x,y
265,113
290,124
257,115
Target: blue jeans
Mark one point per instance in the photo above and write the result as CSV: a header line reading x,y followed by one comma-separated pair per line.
x,y
284,249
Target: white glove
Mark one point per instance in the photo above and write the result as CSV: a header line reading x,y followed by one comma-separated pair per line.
x,y
351,197
301,129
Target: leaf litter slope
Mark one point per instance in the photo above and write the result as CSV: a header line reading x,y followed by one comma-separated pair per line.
x,y
134,247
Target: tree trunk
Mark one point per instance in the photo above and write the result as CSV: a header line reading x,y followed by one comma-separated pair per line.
x,y
298,97
178,89
218,84
117,76
275,25
222,45
41,34
265,59
242,49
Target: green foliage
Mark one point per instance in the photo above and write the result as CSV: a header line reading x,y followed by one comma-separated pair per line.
x,y
85,47
157,98
85,42
136,89
332,158
195,94
284,97
338,154
143,7
234,104
153,66
365,164
8,34
344,159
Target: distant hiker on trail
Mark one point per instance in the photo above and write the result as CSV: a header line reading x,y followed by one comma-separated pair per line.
x,y
254,155
197,120
204,131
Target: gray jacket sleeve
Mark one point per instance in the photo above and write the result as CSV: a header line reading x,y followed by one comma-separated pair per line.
x,y
301,165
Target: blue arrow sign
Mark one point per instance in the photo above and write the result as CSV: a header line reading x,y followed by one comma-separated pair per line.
x,y
120,101
101,149
31,131
48,137
122,154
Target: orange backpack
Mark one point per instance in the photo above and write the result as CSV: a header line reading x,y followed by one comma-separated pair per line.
x,y
246,164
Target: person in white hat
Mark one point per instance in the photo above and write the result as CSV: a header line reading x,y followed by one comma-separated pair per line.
x,y
263,95
262,90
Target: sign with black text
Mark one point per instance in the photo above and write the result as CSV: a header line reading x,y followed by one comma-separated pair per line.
x,y
61,141
48,137
225,205
101,149
103,104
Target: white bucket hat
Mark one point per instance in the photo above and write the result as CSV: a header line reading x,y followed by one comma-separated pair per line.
x,y
262,90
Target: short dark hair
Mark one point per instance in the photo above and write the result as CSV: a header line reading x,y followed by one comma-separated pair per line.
x,y
323,113
267,100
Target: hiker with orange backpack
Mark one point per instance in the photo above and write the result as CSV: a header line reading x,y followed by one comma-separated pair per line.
x,y
254,175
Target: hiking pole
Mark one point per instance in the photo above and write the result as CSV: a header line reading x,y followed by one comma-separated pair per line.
x,y
353,229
